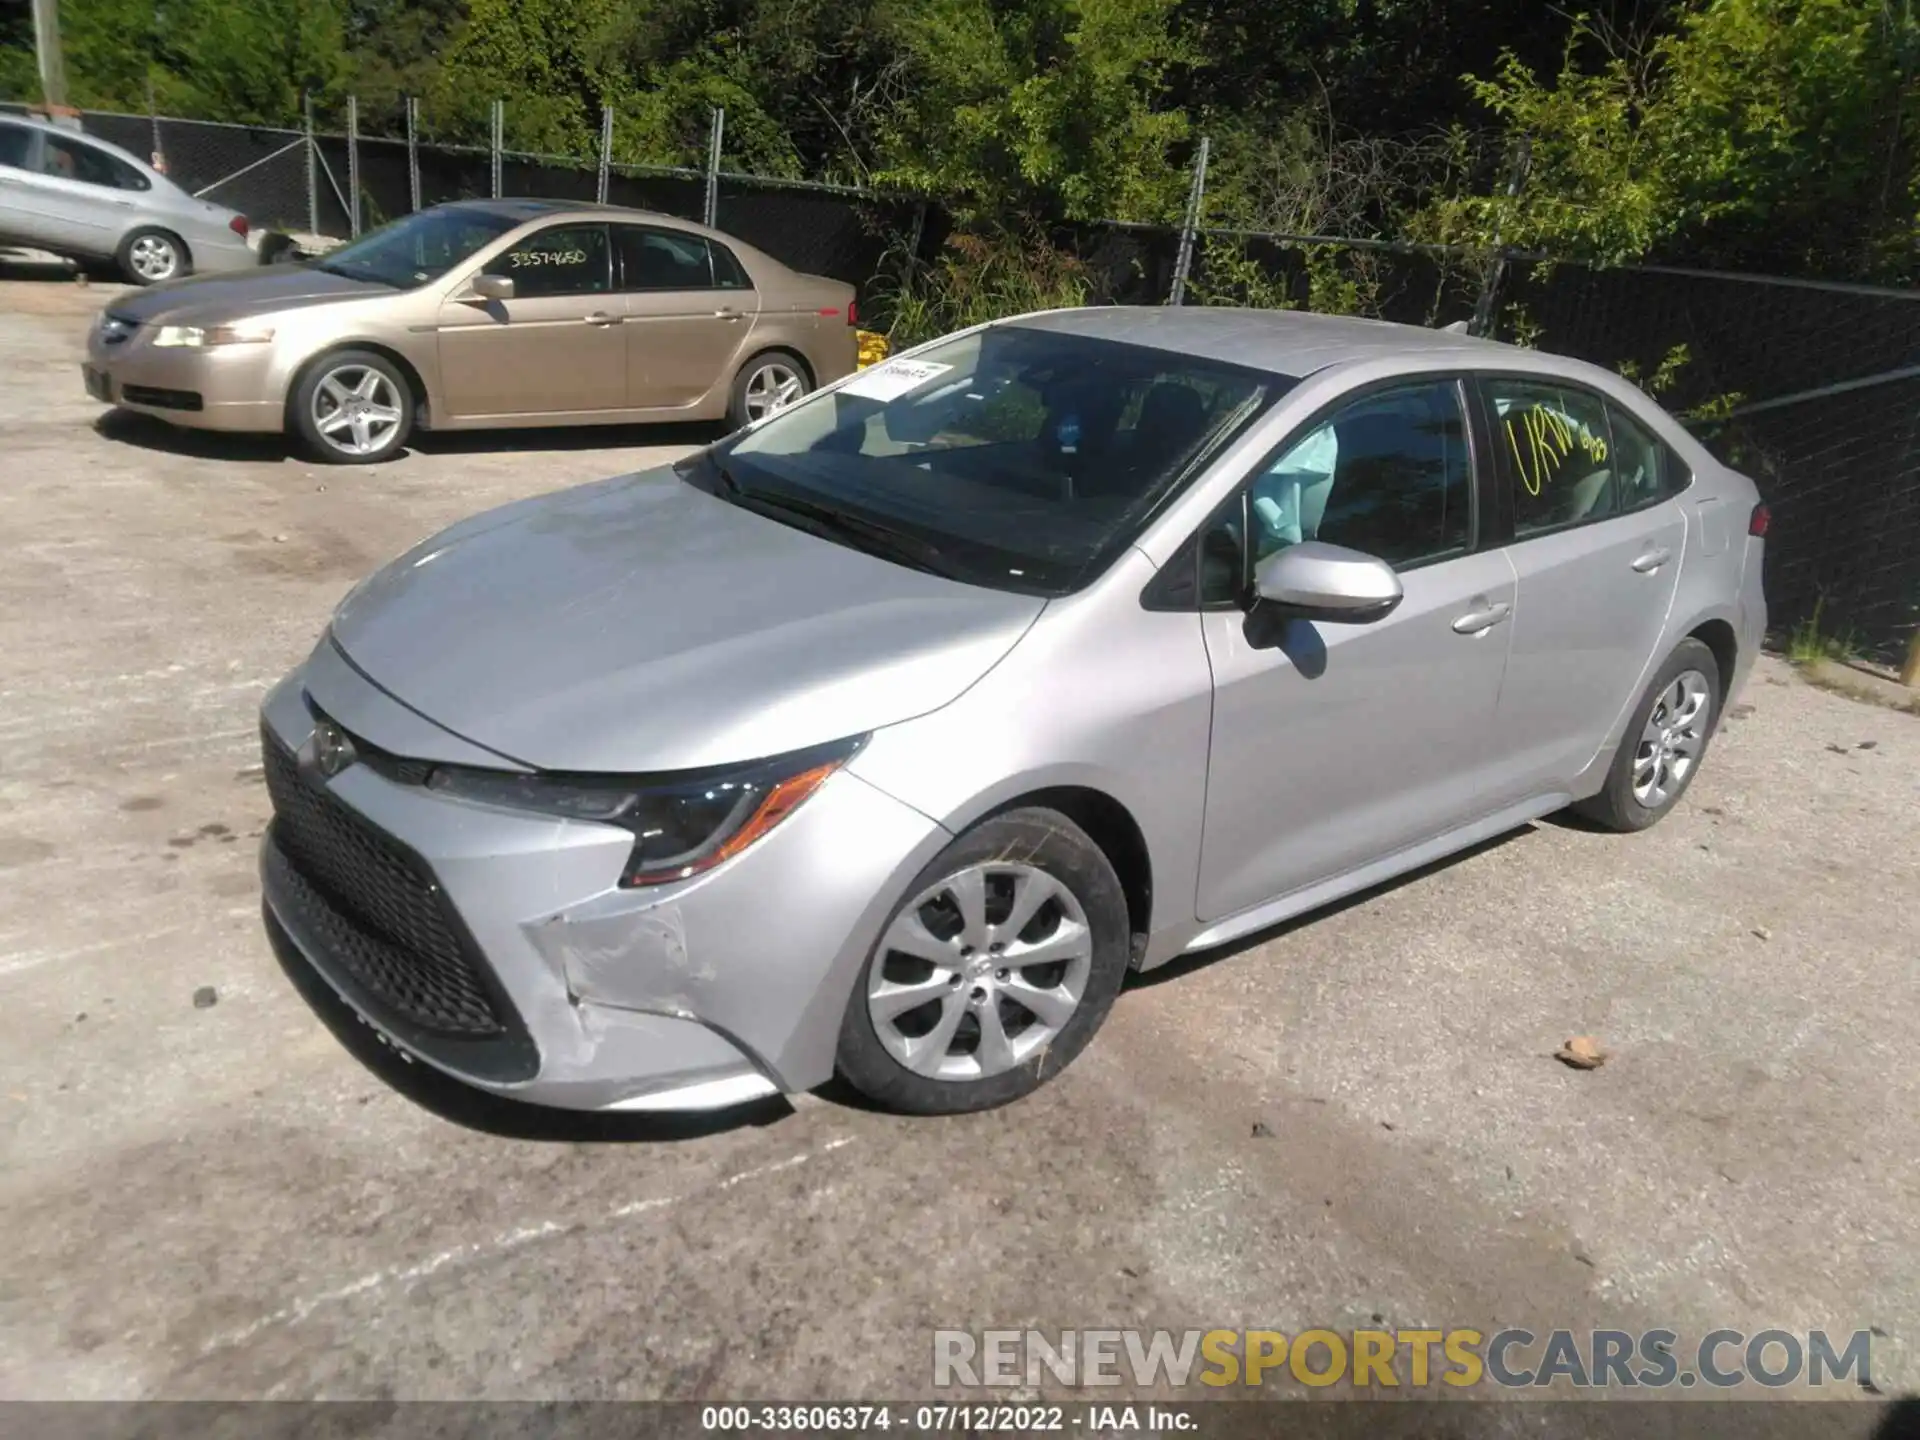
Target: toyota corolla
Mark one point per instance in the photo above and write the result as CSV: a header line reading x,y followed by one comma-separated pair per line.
x,y
887,735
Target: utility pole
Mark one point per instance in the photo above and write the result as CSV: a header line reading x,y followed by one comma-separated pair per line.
x,y
46,46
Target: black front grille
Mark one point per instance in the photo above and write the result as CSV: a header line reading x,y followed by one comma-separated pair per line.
x,y
160,399
375,906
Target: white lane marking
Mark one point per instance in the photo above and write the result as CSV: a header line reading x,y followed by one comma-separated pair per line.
x,y
298,1310
22,960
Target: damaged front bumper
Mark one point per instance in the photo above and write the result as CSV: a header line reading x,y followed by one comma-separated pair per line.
x,y
498,947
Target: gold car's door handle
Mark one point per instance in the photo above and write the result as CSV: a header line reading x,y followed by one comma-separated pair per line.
x,y
601,317
728,315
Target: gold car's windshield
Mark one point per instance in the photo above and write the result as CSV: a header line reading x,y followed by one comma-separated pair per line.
x,y
417,249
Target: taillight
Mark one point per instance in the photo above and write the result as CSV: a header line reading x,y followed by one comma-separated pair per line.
x,y
238,224
853,313
1757,522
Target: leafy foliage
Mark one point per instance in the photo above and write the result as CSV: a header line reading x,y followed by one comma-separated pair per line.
x,y
1760,134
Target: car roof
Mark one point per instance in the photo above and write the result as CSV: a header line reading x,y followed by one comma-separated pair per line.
x,y
1290,342
40,122
525,208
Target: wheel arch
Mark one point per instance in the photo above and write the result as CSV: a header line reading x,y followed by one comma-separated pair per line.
x,y
416,383
770,346
1110,825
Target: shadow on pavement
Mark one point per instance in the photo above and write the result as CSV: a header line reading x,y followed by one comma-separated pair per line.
x,y
146,432
472,1109
1200,959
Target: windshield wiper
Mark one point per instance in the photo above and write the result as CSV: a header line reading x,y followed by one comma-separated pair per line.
x,y
356,274
869,535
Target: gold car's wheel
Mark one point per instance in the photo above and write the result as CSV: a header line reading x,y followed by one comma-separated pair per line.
x,y
767,385
353,407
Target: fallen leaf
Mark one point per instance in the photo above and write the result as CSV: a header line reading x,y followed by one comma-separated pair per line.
x,y
1261,1130
1839,749
1761,932
205,998
1868,745
1582,1052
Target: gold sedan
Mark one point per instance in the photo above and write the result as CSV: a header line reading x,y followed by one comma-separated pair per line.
x,y
480,314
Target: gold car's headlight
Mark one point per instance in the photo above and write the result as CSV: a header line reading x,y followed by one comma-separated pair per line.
x,y
200,337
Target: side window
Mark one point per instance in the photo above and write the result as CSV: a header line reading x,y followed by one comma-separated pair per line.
x,y
566,260
1555,445
74,160
663,260
1648,470
728,272
15,142
1388,475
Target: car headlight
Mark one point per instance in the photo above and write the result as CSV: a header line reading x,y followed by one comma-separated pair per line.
x,y
200,337
682,824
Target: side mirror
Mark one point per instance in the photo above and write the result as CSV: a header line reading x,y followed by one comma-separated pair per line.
x,y
1315,581
492,287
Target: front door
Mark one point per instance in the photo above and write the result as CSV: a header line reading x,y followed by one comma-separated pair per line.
x,y
689,310
1598,559
555,348
1335,745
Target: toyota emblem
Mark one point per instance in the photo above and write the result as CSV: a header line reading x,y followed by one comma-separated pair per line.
x,y
332,749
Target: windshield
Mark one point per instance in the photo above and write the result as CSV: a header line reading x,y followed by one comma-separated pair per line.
x,y
417,249
1015,457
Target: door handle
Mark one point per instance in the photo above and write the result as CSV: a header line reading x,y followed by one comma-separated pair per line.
x,y
601,317
1475,622
1652,561
727,315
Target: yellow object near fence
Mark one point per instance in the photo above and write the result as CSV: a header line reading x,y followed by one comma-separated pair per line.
x,y
873,348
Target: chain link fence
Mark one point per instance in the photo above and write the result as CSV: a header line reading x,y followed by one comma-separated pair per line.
x,y
1813,389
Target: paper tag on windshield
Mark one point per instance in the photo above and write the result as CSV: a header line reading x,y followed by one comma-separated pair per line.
x,y
891,379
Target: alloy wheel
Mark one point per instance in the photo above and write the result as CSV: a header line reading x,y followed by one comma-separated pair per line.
x,y
153,258
1672,739
771,388
356,410
980,971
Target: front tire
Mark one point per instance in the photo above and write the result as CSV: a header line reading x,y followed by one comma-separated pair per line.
x,y
150,255
352,407
1665,742
766,385
993,974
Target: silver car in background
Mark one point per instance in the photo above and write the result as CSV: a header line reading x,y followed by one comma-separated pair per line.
x,y
887,735
79,197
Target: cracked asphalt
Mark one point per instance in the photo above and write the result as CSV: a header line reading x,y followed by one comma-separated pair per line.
x,y
1355,1121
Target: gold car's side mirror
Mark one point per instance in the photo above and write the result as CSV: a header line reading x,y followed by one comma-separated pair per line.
x,y
491,287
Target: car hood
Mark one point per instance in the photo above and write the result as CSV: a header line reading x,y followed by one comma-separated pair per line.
x,y
643,625
219,299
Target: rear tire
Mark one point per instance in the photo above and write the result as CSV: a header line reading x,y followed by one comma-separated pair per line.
x,y
1664,745
766,385
352,407
993,973
150,255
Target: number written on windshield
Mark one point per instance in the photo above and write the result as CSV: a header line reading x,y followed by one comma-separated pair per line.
x,y
548,257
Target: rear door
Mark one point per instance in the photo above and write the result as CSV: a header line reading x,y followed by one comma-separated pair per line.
x,y
1597,551
555,348
19,159
88,198
689,309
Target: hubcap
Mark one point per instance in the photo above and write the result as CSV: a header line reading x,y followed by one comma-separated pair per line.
x,y
772,388
356,410
153,258
980,971
1671,742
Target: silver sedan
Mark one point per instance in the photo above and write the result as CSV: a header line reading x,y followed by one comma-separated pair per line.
x,y
886,735
77,196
